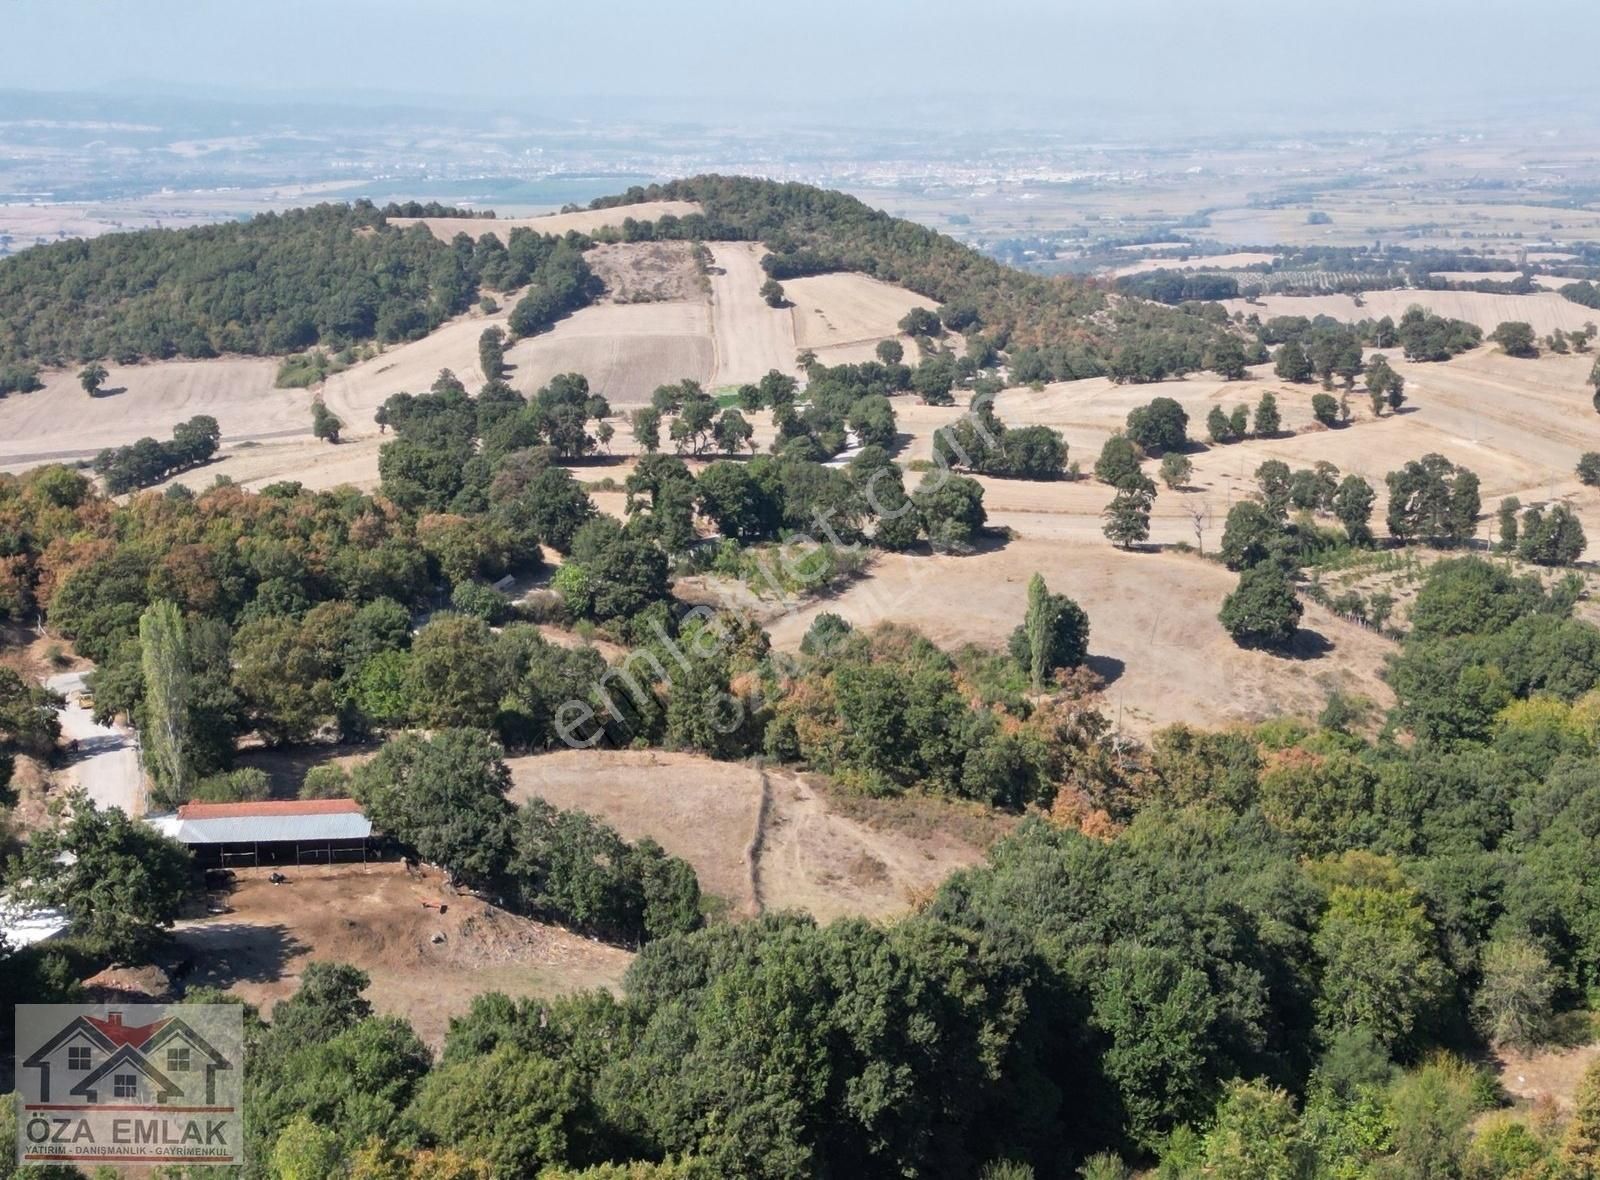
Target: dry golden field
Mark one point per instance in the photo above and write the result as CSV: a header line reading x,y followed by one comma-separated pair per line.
x,y
587,221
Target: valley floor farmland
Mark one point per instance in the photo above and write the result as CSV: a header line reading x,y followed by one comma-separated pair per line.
x,y
1546,310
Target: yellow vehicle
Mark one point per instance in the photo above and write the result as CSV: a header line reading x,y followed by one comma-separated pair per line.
x,y
86,701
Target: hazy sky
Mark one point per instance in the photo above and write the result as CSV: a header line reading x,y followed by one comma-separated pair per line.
x,y
1338,60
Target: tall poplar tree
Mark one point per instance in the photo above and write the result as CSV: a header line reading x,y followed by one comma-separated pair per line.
x,y
168,680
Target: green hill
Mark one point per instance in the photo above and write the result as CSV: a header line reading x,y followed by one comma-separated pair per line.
x,y
337,275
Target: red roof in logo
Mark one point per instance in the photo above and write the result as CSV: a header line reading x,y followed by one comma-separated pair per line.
x,y
272,807
125,1034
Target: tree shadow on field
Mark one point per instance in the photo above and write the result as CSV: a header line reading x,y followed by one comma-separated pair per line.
x,y
1308,645
225,953
108,391
985,541
1108,668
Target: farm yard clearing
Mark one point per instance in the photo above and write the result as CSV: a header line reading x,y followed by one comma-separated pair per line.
x,y
386,922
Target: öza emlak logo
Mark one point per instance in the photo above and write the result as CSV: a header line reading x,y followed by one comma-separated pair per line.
x,y
129,1083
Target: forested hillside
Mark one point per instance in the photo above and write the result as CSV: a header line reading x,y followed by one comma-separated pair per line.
x,y
333,275
1077,328
337,275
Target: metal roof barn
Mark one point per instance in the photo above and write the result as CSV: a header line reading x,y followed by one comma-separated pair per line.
x,y
281,831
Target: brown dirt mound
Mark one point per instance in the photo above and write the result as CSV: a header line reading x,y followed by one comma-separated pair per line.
x,y
374,917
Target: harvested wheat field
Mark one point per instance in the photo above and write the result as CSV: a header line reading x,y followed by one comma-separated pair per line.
x,y
1519,424
847,308
318,465
1088,412
1235,261
584,222
751,338
373,917
61,421
408,368
1546,310
758,839
1153,635
625,350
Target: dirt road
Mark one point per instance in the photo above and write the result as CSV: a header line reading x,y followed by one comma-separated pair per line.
x,y
106,764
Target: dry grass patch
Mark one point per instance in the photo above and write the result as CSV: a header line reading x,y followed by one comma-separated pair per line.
x,y
797,850
584,222
847,308
1154,634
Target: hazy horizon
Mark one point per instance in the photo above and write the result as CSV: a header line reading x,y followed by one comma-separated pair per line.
x,y
1091,65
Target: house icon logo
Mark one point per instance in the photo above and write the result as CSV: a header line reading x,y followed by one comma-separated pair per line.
x,y
129,1084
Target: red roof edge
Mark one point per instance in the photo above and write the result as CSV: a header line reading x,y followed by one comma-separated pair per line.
x,y
272,807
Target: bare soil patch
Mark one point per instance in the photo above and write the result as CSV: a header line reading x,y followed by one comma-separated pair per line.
x,y
625,350
646,272
373,917
584,222
1551,1074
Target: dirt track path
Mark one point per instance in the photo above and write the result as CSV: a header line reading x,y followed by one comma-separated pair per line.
x,y
750,338
106,765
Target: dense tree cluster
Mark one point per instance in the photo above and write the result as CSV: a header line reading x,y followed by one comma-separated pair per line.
x,y
1434,500
1583,293
149,461
560,283
1171,286
1327,348
884,711
278,283
981,443
445,797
